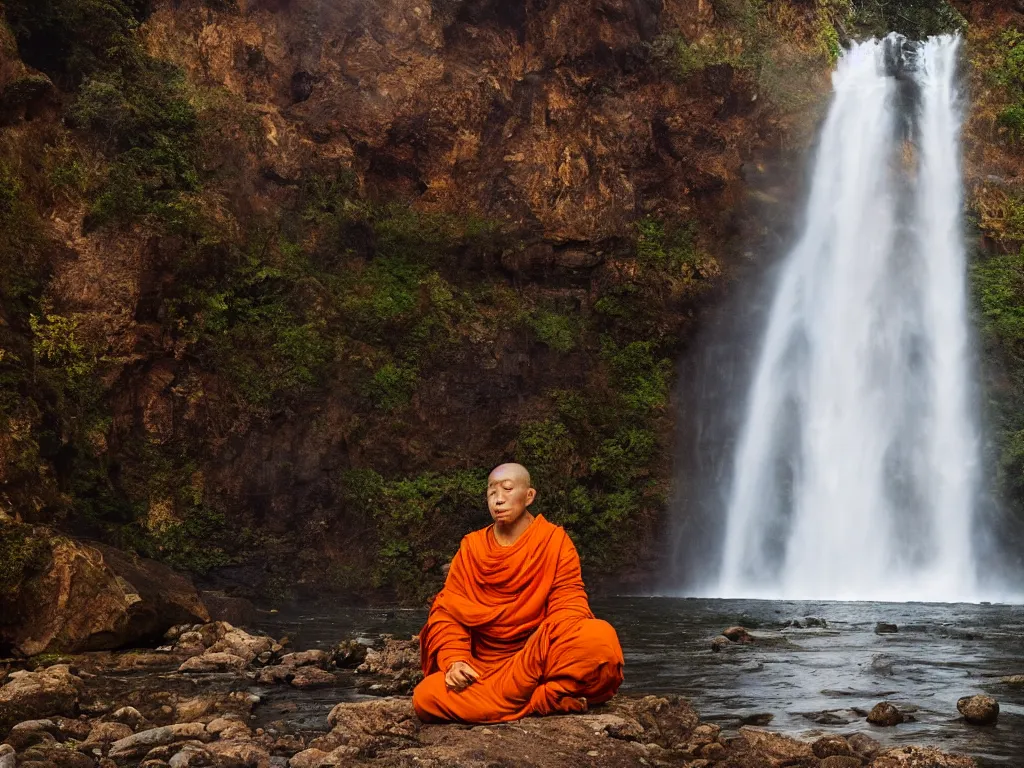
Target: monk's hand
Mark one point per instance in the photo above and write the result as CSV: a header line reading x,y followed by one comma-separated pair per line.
x,y
460,675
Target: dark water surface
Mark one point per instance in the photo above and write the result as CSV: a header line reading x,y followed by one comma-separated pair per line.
x,y
940,653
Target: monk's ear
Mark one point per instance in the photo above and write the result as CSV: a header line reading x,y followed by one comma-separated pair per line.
x,y
531,494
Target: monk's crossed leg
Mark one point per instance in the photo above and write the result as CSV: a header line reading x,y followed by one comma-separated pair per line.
x,y
562,662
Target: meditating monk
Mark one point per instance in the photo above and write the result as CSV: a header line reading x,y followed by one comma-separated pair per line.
x,y
512,634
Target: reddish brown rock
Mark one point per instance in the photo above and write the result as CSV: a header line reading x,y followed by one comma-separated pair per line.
x,y
885,714
92,597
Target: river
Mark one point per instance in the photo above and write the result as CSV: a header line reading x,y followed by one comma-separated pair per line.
x,y
940,653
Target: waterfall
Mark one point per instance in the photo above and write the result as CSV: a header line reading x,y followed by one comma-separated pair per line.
x,y
854,475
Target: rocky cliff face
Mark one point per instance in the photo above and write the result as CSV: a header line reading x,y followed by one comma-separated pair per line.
x,y
283,278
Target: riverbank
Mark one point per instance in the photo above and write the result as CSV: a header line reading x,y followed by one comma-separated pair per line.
x,y
215,695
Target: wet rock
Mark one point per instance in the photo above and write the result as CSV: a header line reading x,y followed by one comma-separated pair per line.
x,y
107,733
348,653
863,745
312,677
228,727
30,695
775,747
719,643
885,714
392,657
882,628
94,597
241,643
240,752
191,756
827,717
130,716
832,746
7,759
737,635
24,738
815,621
979,710
308,758
314,658
214,662
759,719
141,743
1012,680
921,757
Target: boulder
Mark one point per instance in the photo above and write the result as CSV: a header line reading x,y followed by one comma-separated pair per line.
x,y
832,746
140,743
863,745
88,597
29,695
7,759
979,710
719,643
885,714
1012,680
882,628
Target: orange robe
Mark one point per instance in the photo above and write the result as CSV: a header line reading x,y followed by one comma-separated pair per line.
x,y
519,616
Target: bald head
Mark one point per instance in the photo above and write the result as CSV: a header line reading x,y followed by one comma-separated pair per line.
x,y
517,473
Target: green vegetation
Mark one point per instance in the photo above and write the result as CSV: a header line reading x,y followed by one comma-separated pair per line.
x,y
20,552
416,523
253,318
916,19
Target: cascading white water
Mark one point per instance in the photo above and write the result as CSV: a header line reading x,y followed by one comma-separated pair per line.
x,y
854,476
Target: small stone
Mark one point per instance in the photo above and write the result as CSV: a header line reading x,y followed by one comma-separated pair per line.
x,y
214,662
885,714
130,716
719,643
882,628
593,753
308,758
979,710
738,635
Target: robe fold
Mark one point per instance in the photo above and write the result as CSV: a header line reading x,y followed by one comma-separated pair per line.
x,y
519,616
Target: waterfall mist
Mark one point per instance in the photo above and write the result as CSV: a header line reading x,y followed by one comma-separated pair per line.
x,y
855,469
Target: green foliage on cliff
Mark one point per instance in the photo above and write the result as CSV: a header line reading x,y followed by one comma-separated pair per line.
x,y
916,19
20,552
248,318
417,523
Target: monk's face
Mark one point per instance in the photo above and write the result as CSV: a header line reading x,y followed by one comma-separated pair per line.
x,y
509,493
